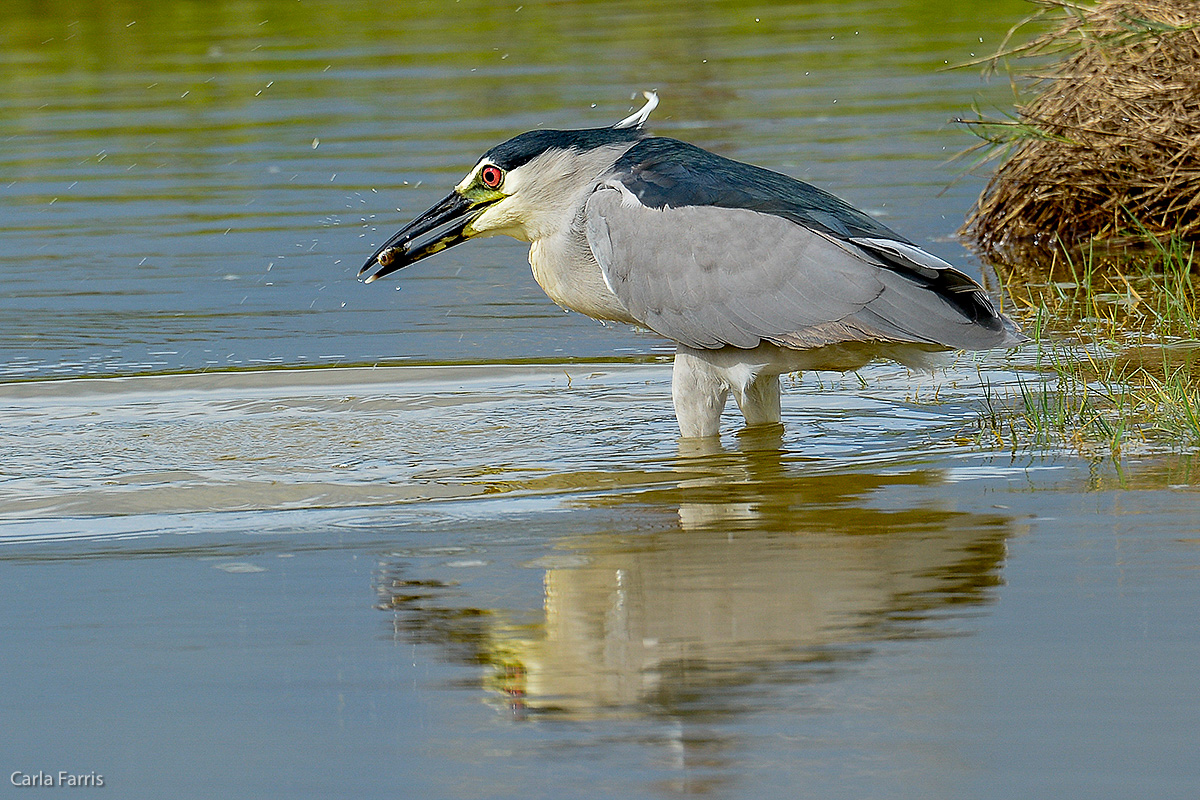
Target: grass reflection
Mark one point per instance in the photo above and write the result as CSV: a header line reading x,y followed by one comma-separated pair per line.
x,y
1117,365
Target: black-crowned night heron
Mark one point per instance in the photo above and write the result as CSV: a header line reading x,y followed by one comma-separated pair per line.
x,y
752,273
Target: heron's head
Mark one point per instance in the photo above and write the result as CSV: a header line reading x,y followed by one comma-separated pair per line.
x,y
528,188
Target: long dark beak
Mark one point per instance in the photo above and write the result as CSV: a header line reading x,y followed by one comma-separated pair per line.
x,y
446,221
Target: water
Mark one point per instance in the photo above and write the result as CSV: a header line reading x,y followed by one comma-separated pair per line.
x,y
469,558
187,189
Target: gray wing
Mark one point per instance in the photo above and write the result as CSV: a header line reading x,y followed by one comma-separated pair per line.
x,y
710,277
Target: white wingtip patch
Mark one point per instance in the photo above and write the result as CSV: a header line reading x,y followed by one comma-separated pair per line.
x,y
907,252
638,118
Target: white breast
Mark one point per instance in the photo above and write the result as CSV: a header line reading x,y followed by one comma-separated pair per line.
x,y
565,269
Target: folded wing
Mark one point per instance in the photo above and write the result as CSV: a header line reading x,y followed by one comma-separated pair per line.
x,y
710,276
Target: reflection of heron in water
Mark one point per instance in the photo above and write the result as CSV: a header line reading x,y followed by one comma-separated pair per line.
x,y
757,567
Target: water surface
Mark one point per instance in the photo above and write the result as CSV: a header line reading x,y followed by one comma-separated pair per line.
x,y
195,188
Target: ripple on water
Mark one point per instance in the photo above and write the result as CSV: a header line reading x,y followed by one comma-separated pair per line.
x,y
304,441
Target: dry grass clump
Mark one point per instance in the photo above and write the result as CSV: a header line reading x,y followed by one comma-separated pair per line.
x,y
1108,148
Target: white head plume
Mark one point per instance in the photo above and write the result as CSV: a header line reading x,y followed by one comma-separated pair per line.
x,y
638,118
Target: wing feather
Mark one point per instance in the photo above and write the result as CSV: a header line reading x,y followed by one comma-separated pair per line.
x,y
710,277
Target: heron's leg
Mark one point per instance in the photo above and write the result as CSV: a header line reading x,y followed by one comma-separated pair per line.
x,y
699,393
759,400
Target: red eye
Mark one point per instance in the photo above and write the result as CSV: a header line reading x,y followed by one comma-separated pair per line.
x,y
491,176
